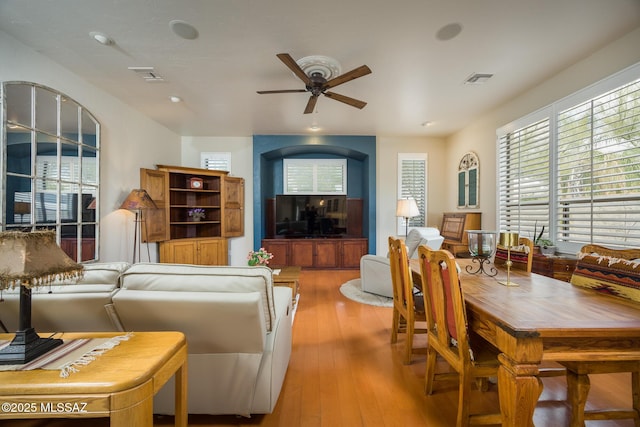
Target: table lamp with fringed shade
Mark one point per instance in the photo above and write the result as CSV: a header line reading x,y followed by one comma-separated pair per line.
x,y
407,208
508,239
30,260
137,201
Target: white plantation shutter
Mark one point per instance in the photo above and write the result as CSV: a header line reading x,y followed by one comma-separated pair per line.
x,y
220,161
577,170
315,176
599,169
412,183
524,179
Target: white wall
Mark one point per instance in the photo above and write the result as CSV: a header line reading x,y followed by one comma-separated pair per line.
x,y
388,148
241,149
480,136
130,141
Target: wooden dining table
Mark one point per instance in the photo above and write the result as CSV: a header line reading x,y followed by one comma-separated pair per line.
x,y
543,319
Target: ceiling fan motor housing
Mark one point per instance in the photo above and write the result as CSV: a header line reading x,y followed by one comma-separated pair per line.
x,y
320,74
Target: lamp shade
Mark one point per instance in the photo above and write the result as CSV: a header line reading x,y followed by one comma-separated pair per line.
x,y
33,259
138,199
407,208
508,239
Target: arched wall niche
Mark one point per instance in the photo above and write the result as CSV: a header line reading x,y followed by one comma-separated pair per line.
x,y
359,151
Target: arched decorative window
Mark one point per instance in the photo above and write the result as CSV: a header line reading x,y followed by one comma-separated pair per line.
x,y
468,181
50,167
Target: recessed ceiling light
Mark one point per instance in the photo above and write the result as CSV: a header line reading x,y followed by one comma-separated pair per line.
x,y
174,98
426,124
101,38
183,29
314,128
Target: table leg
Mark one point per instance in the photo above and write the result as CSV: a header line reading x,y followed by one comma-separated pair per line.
x,y
519,389
181,415
133,407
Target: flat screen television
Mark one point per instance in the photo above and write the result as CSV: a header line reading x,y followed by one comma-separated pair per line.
x,y
307,216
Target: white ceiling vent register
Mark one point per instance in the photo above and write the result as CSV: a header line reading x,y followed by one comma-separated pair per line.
x,y
478,78
148,74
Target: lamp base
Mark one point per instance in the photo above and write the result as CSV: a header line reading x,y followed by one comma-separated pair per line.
x,y
27,346
509,283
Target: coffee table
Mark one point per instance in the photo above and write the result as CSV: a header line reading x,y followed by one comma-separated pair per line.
x,y
119,384
288,276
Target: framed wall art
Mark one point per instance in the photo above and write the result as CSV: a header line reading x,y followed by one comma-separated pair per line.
x,y
468,181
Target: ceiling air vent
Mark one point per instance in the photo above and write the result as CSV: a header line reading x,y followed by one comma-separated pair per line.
x,y
148,74
477,79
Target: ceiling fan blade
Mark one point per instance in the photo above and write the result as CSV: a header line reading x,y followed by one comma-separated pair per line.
x,y
293,66
363,70
311,104
262,92
347,100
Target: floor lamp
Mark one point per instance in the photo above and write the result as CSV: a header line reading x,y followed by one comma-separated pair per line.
x,y
137,201
407,208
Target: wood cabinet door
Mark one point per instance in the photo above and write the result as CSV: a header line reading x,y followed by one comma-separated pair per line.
x,y
179,251
233,207
155,227
212,252
352,251
326,254
301,253
280,251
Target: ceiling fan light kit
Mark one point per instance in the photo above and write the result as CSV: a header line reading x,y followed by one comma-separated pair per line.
x,y
320,73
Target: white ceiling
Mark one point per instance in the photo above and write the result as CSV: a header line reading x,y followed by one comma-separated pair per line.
x,y
415,78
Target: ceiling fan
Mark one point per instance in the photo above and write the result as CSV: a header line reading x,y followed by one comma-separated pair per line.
x,y
317,84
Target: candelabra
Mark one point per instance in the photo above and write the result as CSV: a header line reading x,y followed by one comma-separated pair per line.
x,y
508,240
481,248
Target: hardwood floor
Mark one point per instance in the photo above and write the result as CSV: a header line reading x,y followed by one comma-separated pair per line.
x,y
344,372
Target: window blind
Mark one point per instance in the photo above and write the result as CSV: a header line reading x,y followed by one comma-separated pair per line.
x,y
524,179
574,167
599,169
315,176
220,161
413,172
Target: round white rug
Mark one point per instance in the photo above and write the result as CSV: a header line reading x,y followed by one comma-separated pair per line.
x,y
353,290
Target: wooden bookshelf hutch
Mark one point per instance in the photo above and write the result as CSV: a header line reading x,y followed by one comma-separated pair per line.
x,y
176,190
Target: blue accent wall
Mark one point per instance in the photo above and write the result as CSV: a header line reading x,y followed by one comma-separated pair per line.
x,y
270,150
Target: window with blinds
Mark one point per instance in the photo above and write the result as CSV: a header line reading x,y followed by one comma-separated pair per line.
x,y
412,183
524,179
219,161
577,171
599,170
315,176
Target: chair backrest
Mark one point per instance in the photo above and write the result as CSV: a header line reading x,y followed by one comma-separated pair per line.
x,y
444,304
611,271
521,255
417,236
401,277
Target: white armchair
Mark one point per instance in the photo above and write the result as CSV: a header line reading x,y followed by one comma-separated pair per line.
x,y
375,272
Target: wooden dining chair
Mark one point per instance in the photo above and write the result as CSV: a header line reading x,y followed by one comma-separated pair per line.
x,y
448,334
407,310
521,255
614,272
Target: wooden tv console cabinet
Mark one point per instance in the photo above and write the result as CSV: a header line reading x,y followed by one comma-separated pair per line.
x,y
342,252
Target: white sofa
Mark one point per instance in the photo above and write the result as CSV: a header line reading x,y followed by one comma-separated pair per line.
x,y
237,324
375,271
